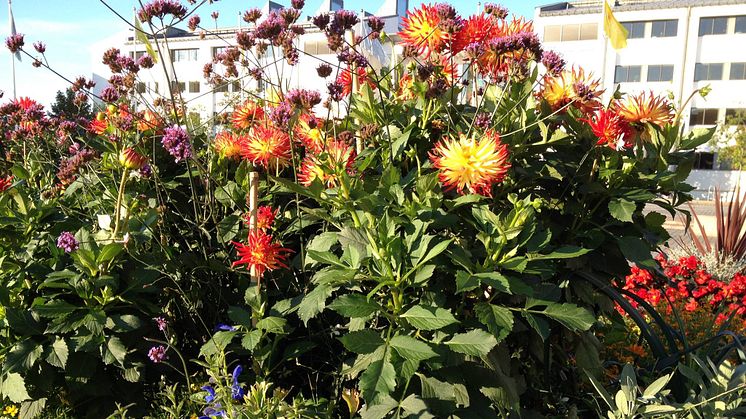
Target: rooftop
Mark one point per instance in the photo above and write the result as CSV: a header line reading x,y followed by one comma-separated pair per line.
x,y
594,6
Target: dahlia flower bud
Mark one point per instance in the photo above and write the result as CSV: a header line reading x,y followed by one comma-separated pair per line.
x,y
131,159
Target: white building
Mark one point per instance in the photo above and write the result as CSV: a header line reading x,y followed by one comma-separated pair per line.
x,y
677,46
187,52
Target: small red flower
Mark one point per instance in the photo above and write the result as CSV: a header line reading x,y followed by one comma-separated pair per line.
x,y
261,254
5,183
345,80
611,130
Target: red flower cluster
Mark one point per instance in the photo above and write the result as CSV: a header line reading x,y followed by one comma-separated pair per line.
x,y
688,285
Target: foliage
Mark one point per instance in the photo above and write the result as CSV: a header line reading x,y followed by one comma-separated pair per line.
x,y
418,250
731,147
730,242
66,106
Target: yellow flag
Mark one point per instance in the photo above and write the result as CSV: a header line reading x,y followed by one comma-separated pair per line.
x,y
141,37
614,30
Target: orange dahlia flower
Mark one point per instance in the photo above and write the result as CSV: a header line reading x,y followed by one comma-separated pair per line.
x,y
345,80
645,107
246,115
422,30
477,29
149,120
470,163
309,131
131,159
260,253
227,144
337,157
266,146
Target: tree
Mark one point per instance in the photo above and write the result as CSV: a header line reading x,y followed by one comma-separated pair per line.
x,y
66,106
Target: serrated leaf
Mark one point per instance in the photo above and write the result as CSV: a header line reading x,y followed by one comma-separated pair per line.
x,y
314,302
499,320
324,257
323,242
54,308
228,228
354,306
540,325
362,342
380,409
271,324
429,318
416,407
22,357
622,209
378,380
571,316
14,388
123,323
57,353
116,348
412,349
476,342
636,250
251,339
432,388
32,409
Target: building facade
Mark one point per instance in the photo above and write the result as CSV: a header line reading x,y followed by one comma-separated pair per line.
x,y
675,46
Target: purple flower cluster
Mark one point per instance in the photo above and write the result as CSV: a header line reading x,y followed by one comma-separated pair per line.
x,y
176,141
553,62
324,70
496,10
193,23
66,241
252,15
109,94
335,91
161,323
482,120
157,354
14,42
303,99
297,4
375,23
70,167
161,8
145,61
245,40
526,41
335,31
40,47
281,114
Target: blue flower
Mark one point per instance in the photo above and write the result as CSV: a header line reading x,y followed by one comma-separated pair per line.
x,y
237,392
225,328
210,393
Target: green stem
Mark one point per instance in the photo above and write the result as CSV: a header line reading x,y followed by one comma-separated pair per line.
x,y
120,198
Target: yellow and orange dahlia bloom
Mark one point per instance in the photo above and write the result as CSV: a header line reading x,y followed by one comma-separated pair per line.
x,y
645,107
246,115
310,132
336,158
228,144
266,146
422,30
571,86
472,164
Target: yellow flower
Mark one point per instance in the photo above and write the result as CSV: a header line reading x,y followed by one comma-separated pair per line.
x,y
645,107
227,144
422,30
571,86
472,164
10,410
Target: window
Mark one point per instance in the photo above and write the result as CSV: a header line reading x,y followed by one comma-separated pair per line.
x,y
140,87
218,50
588,31
713,25
236,86
740,24
708,71
737,71
664,28
136,55
178,87
627,74
317,47
704,160
570,32
155,90
703,117
634,29
179,55
222,88
552,33
193,87
660,73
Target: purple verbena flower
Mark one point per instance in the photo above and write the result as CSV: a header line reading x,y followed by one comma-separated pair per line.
x,y
145,61
281,114
303,99
553,62
109,94
324,70
375,23
193,23
161,323
176,141
252,15
297,4
160,9
157,354
14,42
40,47
66,241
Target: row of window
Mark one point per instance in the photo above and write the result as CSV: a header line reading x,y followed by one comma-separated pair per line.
x,y
633,73
703,116
715,71
181,87
702,71
646,29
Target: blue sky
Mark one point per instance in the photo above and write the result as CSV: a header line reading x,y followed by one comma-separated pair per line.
x,y
74,29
